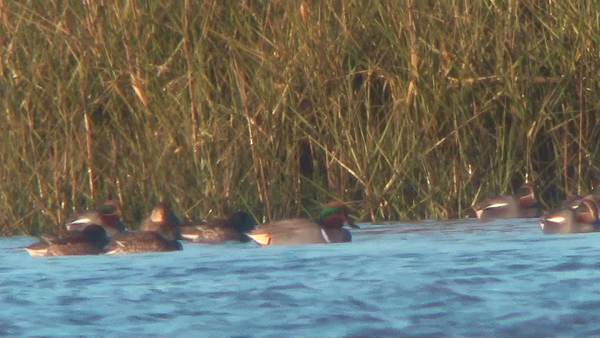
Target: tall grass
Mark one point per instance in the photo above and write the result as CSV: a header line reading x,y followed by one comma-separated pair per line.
x,y
404,109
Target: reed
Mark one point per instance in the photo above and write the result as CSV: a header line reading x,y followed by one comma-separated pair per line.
x,y
405,109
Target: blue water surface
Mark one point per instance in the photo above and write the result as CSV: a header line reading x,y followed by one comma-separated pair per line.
x,y
459,278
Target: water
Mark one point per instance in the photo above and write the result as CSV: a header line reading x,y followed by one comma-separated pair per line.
x,y
464,278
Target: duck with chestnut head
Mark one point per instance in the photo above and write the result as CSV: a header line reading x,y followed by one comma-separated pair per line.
x,y
575,218
574,201
108,215
328,228
521,205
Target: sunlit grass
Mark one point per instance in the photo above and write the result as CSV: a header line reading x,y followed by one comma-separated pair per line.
x,y
405,110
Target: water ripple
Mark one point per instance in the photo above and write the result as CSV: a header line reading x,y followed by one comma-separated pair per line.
x,y
428,279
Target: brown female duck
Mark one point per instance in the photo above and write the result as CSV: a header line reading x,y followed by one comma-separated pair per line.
x,y
89,241
140,241
163,221
158,233
218,231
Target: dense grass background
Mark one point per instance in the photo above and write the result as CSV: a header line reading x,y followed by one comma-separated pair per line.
x,y
404,109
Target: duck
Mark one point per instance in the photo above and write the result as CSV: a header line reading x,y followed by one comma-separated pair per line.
x,y
140,241
574,201
521,205
108,215
572,219
571,202
159,232
221,230
89,241
163,221
325,229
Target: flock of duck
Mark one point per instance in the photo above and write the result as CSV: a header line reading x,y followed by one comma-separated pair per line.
x,y
101,230
576,214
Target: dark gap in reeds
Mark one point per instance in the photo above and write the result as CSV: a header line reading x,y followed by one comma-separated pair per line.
x,y
405,110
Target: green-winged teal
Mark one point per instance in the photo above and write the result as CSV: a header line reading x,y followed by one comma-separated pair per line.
x,y
582,217
325,229
521,205
575,200
108,215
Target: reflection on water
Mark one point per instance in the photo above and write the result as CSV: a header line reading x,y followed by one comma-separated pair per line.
x,y
460,278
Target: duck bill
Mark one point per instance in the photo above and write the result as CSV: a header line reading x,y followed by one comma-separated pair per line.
x,y
351,224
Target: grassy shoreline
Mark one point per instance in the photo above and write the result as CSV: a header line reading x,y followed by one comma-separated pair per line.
x,y
405,110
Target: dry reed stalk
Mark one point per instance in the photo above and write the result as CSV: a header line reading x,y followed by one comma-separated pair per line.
x,y
580,90
461,84
187,48
414,57
565,160
115,169
258,163
89,148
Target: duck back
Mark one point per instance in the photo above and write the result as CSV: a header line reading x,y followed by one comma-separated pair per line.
x,y
141,241
297,231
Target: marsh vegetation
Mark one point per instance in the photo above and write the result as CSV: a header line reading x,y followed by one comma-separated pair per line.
x,y
403,109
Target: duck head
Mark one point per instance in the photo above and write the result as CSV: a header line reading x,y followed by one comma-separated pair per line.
x,y
335,215
526,196
96,234
108,215
242,222
111,215
163,221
